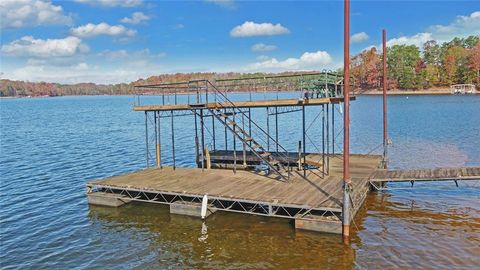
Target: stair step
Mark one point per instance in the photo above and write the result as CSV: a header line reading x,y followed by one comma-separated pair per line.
x,y
265,154
232,123
226,115
274,162
197,105
248,139
256,146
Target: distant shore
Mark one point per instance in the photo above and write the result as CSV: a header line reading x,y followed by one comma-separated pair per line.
x,y
409,92
376,92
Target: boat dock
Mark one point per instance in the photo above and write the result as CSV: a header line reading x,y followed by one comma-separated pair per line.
x,y
246,168
307,199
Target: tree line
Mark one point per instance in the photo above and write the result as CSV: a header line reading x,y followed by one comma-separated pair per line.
x,y
411,67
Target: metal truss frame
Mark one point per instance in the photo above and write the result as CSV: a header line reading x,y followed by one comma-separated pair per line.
x,y
270,209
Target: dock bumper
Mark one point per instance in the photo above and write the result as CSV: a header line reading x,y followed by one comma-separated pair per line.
x,y
107,199
319,224
192,209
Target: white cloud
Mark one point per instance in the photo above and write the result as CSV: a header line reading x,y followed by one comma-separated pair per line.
x,y
23,13
91,30
27,46
359,37
308,60
461,27
230,4
263,58
260,47
112,3
417,39
250,29
179,26
144,54
137,17
78,73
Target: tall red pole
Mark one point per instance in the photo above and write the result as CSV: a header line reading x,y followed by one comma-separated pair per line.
x,y
385,131
346,123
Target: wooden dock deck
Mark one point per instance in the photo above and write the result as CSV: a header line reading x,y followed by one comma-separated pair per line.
x,y
245,190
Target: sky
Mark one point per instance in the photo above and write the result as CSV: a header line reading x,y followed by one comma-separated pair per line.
x,y
117,41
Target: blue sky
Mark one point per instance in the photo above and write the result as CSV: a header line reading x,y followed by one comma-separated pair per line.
x,y
111,41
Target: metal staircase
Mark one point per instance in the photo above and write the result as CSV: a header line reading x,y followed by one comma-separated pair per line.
x,y
235,120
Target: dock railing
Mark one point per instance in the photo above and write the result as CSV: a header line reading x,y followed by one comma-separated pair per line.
x,y
275,87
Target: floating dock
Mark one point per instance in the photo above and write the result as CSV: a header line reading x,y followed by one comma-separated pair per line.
x,y
312,199
246,169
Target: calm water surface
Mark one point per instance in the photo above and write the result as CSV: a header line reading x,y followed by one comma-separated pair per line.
x,y
51,147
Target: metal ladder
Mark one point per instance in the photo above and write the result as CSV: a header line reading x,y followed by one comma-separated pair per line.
x,y
234,118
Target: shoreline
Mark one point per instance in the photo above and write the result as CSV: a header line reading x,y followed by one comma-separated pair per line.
x,y
432,92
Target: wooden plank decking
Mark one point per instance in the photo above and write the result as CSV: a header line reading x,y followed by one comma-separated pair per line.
x,y
316,192
438,174
242,104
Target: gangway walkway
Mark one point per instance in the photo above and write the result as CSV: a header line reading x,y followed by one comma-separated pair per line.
x,y
380,177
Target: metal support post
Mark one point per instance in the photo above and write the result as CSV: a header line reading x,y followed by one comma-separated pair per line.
x,y
146,138
303,139
346,123
173,141
202,127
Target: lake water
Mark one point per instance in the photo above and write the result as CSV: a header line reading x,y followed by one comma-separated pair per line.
x,y
51,147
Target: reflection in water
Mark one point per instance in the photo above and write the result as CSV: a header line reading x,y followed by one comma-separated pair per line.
x,y
234,240
411,229
203,233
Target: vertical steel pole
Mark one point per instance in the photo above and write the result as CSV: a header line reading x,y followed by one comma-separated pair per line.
x,y
385,131
276,128
173,141
346,124
333,130
202,127
323,140
196,140
234,147
159,142
304,144
268,131
146,137
226,139
244,142
157,146
250,125
213,133
328,140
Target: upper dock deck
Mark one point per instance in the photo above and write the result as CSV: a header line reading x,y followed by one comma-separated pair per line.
x,y
241,104
306,89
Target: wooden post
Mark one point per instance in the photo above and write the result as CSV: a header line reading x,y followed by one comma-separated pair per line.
x,y
207,156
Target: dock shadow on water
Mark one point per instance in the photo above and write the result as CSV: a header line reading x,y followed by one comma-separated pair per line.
x,y
223,241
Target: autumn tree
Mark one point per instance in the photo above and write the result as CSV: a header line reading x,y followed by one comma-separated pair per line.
x,y
402,63
474,61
